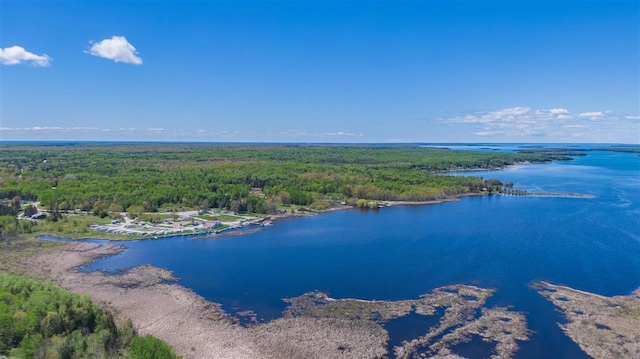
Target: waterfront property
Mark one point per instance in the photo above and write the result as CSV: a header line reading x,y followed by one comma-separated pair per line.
x,y
503,243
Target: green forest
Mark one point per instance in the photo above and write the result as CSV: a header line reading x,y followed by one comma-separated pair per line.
x,y
103,178
41,320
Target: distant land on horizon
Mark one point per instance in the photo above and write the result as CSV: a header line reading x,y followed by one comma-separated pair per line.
x,y
474,144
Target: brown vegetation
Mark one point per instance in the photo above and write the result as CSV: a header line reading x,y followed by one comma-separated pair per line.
x,y
604,327
314,325
459,323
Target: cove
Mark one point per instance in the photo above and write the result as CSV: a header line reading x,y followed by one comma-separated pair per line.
x,y
501,242
410,326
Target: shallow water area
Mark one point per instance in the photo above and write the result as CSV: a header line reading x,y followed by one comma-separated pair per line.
x,y
501,242
410,326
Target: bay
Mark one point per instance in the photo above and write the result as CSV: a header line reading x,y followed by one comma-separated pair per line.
x,y
501,242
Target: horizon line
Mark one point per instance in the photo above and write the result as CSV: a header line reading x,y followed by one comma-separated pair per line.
x,y
312,142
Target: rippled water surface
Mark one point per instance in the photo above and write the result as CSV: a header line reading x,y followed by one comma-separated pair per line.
x,y
501,242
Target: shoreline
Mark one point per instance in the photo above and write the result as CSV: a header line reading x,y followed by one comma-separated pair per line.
x,y
313,326
604,327
237,230
195,327
124,235
163,308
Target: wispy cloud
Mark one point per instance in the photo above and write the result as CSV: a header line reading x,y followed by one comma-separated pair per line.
x,y
340,134
306,135
596,114
16,55
556,124
166,134
89,133
400,140
49,128
117,48
295,133
558,111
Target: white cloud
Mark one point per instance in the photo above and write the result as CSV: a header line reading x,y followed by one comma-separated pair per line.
x,y
514,111
399,140
46,128
591,114
74,133
50,128
88,133
556,124
295,133
304,134
340,134
117,48
15,55
489,133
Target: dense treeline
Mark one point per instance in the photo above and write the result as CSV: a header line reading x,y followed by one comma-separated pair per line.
x,y
103,178
40,320
10,227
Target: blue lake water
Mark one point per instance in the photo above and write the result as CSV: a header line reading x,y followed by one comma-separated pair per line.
x,y
501,242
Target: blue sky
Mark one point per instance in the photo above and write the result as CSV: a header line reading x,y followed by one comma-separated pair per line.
x,y
320,71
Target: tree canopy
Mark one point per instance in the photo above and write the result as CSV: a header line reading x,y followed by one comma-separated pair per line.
x,y
101,178
41,320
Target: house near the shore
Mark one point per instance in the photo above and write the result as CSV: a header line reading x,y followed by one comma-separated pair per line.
x,y
212,224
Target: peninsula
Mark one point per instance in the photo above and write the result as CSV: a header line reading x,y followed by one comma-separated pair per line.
x,y
116,190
